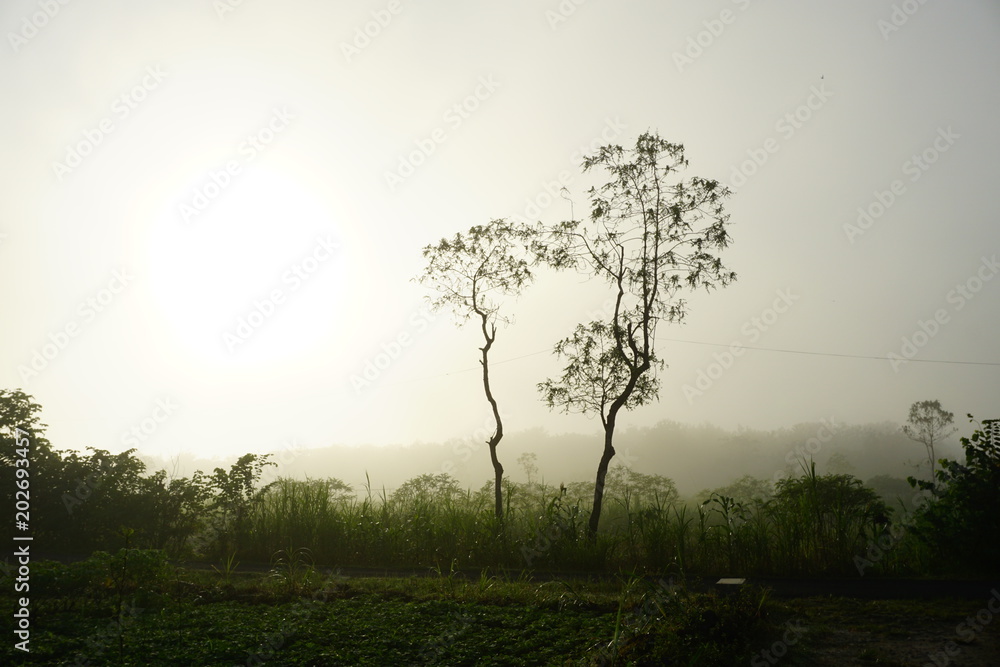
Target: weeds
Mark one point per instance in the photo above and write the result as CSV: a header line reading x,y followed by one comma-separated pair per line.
x,y
228,569
293,569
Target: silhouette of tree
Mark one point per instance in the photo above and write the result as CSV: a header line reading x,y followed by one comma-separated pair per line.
x,y
929,423
650,236
470,272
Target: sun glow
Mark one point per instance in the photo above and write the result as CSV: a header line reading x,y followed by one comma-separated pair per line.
x,y
256,277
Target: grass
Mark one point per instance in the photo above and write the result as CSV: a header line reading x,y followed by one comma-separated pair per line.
x,y
194,618
477,603
172,615
812,525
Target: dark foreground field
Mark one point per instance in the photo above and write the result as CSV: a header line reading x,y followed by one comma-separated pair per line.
x,y
444,619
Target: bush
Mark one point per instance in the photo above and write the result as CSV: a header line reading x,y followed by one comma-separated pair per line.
x,y
961,523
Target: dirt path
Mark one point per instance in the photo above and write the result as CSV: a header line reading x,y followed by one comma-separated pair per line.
x,y
901,633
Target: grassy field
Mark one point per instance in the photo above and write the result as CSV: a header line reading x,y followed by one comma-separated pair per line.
x,y
215,618
165,615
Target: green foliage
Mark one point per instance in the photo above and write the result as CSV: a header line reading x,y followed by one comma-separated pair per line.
x,y
293,569
651,235
473,269
809,524
228,569
237,499
746,489
423,489
597,373
895,491
470,272
20,421
669,625
641,489
823,521
961,522
79,500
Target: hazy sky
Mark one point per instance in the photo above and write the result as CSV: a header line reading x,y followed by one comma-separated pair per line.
x,y
212,212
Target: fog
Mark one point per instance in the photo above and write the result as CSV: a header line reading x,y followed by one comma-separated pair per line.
x,y
696,458
213,214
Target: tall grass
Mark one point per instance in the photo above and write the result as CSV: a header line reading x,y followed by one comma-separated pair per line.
x,y
812,525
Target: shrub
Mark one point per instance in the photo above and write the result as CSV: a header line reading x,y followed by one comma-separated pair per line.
x,y
961,523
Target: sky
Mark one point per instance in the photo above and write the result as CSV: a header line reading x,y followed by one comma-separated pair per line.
x,y
213,211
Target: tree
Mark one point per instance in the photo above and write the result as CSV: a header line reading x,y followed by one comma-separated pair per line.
x,y
961,522
428,489
237,498
929,423
20,419
650,236
529,463
470,272
746,489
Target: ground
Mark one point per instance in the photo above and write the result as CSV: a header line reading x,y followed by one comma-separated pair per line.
x,y
451,620
900,633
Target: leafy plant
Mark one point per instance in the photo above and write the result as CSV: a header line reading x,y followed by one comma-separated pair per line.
x,y
229,566
293,568
961,522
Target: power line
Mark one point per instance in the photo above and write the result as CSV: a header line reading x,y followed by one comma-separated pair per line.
x,y
833,354
746,347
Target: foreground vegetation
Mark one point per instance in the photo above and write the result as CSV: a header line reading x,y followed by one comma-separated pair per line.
x,y
134,608
119,594
809,524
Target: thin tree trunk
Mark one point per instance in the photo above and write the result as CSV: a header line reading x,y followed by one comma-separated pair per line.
x,y
602,473
498,433
930,455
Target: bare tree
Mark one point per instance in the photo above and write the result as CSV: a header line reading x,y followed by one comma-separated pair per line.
x,y
650,236
929,423
470,272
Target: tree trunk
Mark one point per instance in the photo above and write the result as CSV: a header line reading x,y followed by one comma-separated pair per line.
x,y
498,433
602,473
930,455
498,476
